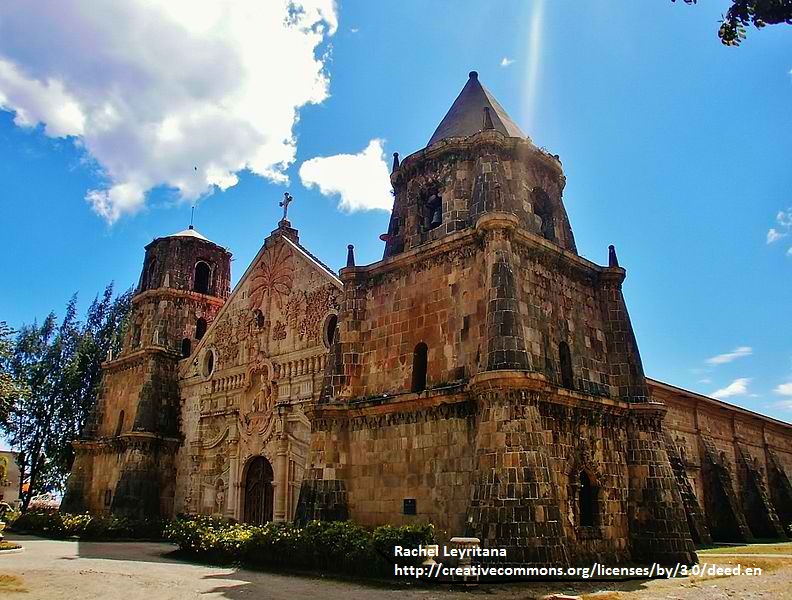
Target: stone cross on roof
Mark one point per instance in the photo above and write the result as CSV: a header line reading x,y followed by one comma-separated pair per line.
x,y
287,199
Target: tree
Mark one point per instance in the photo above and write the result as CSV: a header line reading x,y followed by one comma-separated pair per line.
x,y
11,387
60,364
751,12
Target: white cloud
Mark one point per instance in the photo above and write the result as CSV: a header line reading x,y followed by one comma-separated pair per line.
x,y
738,387
705,380
721,359
784,220
506,61
361,180
166,92
785,389
354,29
773,235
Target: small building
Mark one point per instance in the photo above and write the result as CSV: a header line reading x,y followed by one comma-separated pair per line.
x,y
9,477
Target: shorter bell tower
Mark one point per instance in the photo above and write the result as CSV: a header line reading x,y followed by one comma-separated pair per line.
x,y
124,462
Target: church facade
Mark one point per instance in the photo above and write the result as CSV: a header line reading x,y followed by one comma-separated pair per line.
x,y
482,376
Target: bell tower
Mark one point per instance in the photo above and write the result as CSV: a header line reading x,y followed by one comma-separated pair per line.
x,y
478,161
485,377
124,461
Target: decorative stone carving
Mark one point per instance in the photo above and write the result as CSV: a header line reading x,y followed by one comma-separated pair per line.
x,y
273,277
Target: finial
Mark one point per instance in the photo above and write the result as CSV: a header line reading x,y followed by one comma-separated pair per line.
x,y
612,260
192,217
473,75
287,199
350,256
488,119
395,162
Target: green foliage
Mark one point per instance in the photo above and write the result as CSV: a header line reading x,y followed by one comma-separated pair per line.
x,y
338,546
59,525
758,13
10,515
11,386
334,547
59,368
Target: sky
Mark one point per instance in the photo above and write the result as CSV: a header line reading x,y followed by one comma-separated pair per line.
x,y
117,118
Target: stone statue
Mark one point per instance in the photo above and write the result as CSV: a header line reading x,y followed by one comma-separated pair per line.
x,y
220,499
261,399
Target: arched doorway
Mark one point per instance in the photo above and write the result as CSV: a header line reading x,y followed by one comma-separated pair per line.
x,y
258,491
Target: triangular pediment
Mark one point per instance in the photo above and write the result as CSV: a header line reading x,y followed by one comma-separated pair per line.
x,y
278,307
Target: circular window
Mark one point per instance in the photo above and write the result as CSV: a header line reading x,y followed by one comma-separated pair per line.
x,y
331,325
208,362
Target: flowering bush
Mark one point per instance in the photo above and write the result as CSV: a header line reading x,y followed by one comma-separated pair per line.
x,y
51,523
339,546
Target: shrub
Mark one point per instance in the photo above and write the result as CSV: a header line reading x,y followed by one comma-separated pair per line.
x,y
339,546
50,523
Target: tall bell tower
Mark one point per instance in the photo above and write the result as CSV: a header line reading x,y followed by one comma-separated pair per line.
x,y
485,377
124,461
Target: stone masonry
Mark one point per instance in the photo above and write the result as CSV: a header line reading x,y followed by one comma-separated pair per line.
x,y
483,377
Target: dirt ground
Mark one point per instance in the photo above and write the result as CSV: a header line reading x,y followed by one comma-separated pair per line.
x,y
56,570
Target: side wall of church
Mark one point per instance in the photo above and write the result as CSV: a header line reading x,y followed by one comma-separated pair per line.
x,y
752,455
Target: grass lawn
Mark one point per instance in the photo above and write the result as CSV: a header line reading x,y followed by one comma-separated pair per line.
x,y
11,583
777,548
8,546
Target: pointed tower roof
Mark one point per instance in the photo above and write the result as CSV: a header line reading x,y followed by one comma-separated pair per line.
x,y
466,115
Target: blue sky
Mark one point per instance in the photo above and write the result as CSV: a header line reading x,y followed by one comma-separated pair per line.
x,y
676,149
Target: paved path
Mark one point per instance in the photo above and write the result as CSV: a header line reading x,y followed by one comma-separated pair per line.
x,y
67,570
60,570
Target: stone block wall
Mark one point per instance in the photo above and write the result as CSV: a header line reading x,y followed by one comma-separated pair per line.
x,y
485,173
560,303
170,263
373,459
736,461
438,300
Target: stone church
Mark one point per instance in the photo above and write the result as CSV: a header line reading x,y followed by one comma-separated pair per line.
x,y
483,377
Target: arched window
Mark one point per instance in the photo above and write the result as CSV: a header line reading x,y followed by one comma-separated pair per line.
x,y
543,208
420,356
565,361
430,209
186,348
201,278
259,317
200,328
331,325
151,275
120,424
587,500
135,335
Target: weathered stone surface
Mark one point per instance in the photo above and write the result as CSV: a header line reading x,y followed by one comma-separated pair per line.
x,y
532,425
